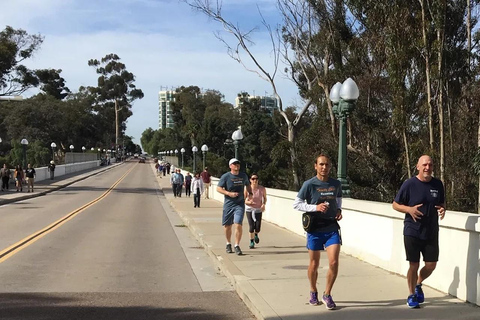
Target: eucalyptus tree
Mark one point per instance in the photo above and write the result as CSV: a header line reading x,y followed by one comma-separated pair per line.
x,y
115,89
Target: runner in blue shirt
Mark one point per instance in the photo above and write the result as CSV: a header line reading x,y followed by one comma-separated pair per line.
x,y
422,199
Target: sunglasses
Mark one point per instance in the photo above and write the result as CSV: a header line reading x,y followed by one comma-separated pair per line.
x,y
253,178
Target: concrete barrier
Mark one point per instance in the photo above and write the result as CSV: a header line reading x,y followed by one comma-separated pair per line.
x,y
42,173
373,232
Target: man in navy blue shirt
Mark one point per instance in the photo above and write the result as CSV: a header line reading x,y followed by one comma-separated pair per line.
x,y
422,199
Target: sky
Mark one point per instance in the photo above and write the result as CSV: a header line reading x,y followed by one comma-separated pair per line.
x,y
164,43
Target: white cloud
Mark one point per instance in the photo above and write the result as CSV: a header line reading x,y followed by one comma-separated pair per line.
x,y
163,43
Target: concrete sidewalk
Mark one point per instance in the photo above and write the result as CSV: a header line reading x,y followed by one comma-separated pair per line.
x,y
43,187
272,278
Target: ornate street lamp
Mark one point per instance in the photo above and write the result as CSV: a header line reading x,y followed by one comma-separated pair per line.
x,y
194,150
183,151
83,149
236,137
204,151
343,96
24,143
53,145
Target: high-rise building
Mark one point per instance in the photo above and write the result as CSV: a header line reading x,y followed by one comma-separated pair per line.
x,y
270,103
165,98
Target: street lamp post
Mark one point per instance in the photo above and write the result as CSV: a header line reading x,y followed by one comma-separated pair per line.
x,y
343,97
83,151
204,151
236,137
71,151
183,151
53,145
24,143
194,150
176,156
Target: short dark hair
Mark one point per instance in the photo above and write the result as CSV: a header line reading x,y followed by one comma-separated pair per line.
x,y
322,155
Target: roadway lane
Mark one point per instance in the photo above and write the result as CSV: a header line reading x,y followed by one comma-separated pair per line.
x,y
125,256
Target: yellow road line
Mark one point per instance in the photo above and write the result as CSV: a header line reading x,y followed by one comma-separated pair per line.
x,y
25,242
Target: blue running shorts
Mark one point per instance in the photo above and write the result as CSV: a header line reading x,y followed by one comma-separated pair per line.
x,y
233,215
321,240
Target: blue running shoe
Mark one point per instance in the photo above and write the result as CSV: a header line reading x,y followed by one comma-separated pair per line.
x,y
314,299
419,293
257,239
412,301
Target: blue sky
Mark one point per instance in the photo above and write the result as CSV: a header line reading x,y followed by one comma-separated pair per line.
x,y
162,42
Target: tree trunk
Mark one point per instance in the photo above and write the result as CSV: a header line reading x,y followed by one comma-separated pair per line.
x,y
407,152
427,75
441,40
469,31
116,125
293,155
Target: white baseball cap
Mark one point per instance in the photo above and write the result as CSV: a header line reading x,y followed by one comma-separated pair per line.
x,y
233,160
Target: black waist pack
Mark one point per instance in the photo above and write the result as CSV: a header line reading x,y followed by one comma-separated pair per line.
x,y
313,221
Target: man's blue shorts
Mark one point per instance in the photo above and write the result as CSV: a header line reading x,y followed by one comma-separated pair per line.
x,y
321,240
233,215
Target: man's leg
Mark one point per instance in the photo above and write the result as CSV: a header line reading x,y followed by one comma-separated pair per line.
x,y
238,233
314,256
412,276
228,232
426,271
207,185
333,252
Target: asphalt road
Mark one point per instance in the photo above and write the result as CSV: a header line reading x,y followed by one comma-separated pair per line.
x,y
107,247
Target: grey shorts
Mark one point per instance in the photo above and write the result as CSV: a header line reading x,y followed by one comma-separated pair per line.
x,y
233,215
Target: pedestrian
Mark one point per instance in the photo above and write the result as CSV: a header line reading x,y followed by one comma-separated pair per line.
x,y
19,177
30,175
180,183
206,181
174,180
164,169
197,189
422,199
254,208
5,174
168,168
188,183
160,169
51,168
232,185
157,166
320,198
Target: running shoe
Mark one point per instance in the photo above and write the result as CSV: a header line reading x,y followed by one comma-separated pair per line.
x,y
229,248
252,244
412,301
419,293
238,251
314,299
257,239
328,300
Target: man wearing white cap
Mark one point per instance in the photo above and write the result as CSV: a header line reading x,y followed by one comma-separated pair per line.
x,y
232,185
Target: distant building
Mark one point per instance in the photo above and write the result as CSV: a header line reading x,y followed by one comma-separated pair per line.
x,y
270,103
165,98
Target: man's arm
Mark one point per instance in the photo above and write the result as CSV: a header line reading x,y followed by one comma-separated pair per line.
x,y
301,205
412,211
227,193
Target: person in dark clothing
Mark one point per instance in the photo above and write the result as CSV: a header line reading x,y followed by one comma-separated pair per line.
x,y
422,200
188,182
30,177
5,174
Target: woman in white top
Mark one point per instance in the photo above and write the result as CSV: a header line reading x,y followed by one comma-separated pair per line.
x,y
197,188
254,207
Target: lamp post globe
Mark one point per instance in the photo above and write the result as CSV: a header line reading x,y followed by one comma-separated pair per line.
x,y
343,97
92,149
204,151
24,143
194,150
236,137
182,151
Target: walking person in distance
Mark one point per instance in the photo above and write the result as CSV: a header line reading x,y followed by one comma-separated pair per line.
x,y
197,188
